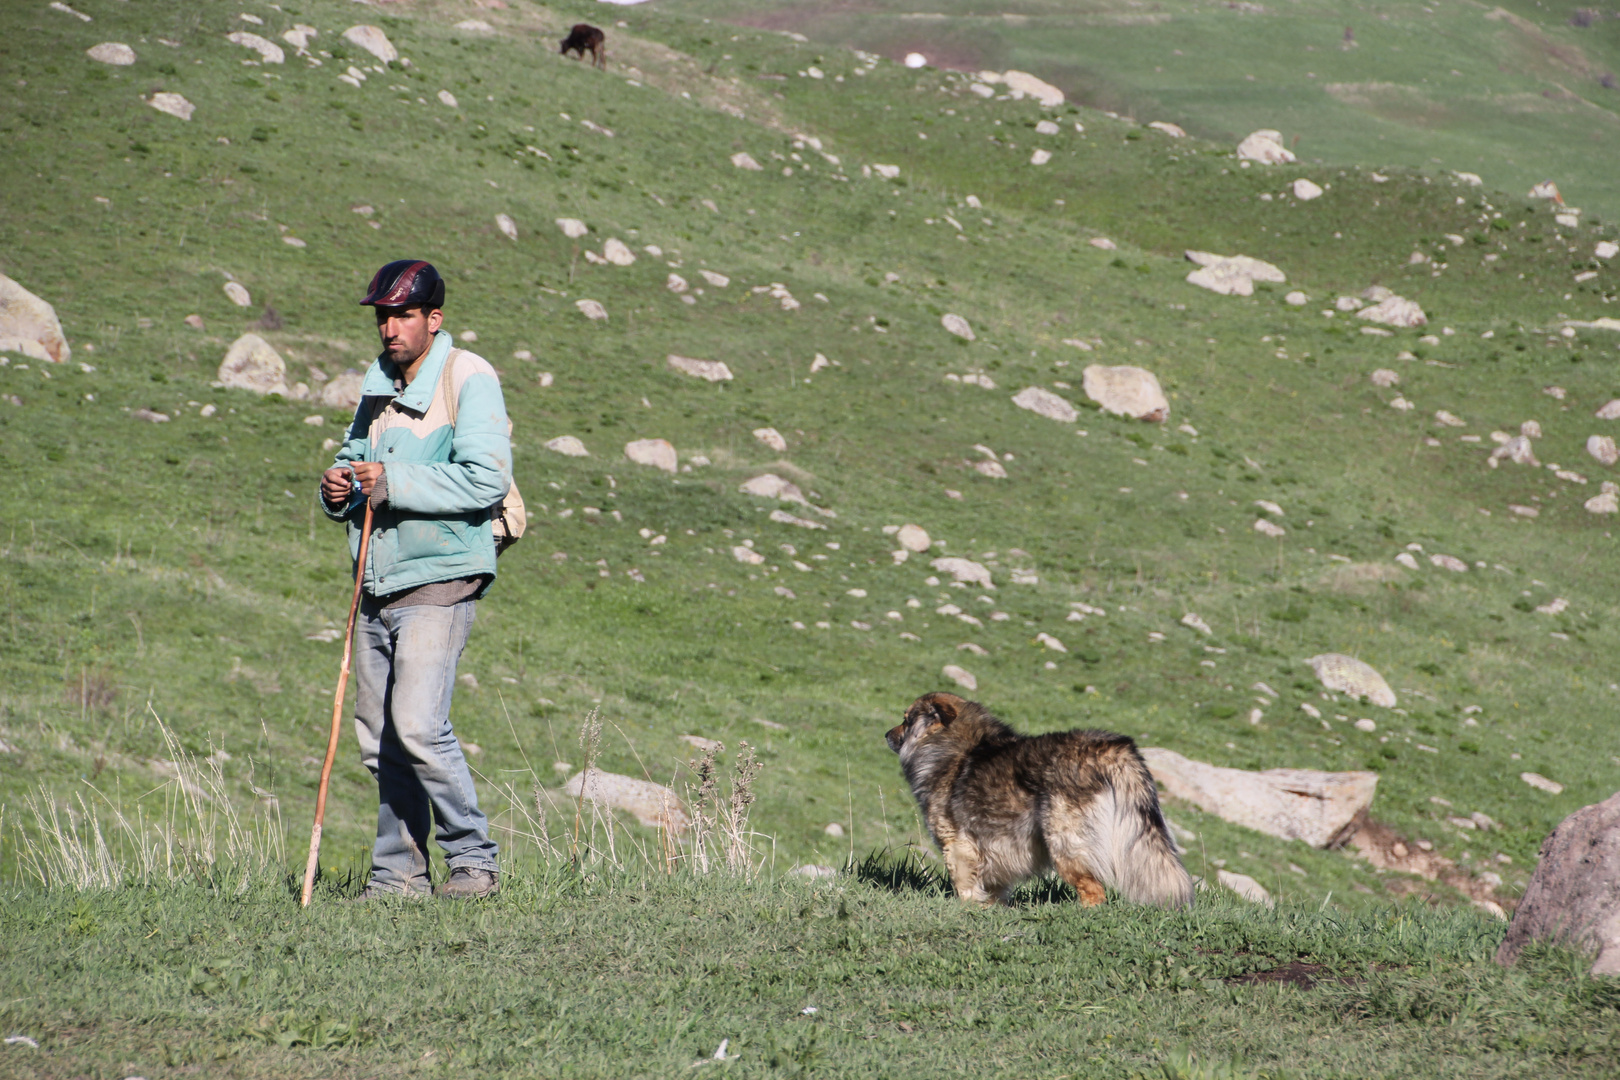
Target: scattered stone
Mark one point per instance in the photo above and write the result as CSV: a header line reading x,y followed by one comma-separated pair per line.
x,y
1246,887
1045,403
653,805
834,830
747,555
1554,392
1449,562
173,104
1606,503
1401,403
744,160
447,99
1517,450
887,172
995,470
719,281
269,52
315,421
784,518
1541,783
655,452
115,53
1321,808
507,226
1611,411
1347,303
1606,249
1103,242
1126,391
966,570
1196,623
1407,559
592,310
300,36
1305,190
149,416
251,364
1046,127
1385,377
913,538
957,325
1547,190
1050,642
1296,299
618,253
1530,429
1603,449
1347,675
710,370
1394,311
675,283
29,325
1231,275
1269,528
1040,157
1556,606
1173,130
1448,419
568,446
1265,146
771,486
1574,894
771,438
573,228
1022,83
960,676
373,40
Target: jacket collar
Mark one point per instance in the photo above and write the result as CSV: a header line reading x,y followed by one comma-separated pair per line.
x,y
379,381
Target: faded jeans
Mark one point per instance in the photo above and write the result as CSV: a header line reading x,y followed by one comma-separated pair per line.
x,y
405,672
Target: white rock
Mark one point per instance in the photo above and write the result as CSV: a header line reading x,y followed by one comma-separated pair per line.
x,y
1541,783
747,555
1269,528
1347,303
1270,507
913,538
957,325
1126,391
887,172
653,805
1296,299
1264,146
960,676
1103,242
771,486
1385,377
675,283
316,420
1530,429
995,470
771,438
1546,190
710,370
568,446
1448,419
269,52
1040,157
343,391
1046,127
655,452
1045,403
1231,275
1556,606
373,40
1196,623
1606,503
1173,130
507,226
1305,190
1321,808
447,99
834,829
1021,83
28,325
1366,725
1407,559
966,570
618,253
745,160
916,60
573,228
112,52
251,364
477,26
1602,447
173,104
1394,311
300,36
591,309
719,281
1517,450
1449,562
1050,642
1347,675
237,294
1246,887
1606,249
785,518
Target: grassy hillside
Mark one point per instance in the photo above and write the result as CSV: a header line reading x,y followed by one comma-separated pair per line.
x,y
1518,92
179,571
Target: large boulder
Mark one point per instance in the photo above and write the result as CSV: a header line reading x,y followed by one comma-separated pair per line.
x,y
29,325
1324,809
1350,676
373,40
1127,391
251,364
1231,275
654,805
655,452
1574,895
343,392
1265,146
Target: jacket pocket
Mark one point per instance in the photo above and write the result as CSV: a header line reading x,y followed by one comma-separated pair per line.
x,y
427,538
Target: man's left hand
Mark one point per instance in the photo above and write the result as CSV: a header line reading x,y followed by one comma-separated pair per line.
x,y
367,473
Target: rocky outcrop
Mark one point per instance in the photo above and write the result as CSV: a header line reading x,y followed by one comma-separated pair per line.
x,y
373,40
251,364
29,325
1127,391
1323,809
1265,146
1231,275
1574,895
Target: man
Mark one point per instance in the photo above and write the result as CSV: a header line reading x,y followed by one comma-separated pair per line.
x,y
430,482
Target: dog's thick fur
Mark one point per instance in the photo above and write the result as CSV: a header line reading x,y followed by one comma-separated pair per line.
x,y
584,38
1004,807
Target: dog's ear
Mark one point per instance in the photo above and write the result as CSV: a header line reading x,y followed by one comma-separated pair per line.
x,y
941,709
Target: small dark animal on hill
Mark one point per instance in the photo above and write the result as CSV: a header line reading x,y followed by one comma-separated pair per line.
x,y
1004,807
585,38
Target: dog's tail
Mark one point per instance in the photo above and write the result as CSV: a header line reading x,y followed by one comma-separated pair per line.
x,y
1129,837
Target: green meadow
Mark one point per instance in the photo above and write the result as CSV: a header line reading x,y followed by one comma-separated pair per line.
x,y
173,598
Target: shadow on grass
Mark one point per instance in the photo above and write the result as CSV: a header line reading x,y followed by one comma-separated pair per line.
x,y
911,872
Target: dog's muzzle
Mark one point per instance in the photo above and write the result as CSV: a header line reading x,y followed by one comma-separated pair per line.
x,y
895,737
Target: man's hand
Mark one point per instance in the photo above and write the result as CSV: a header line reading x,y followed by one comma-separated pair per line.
x,y
336,483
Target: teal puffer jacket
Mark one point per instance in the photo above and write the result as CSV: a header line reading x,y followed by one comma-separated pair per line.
x,y
441,480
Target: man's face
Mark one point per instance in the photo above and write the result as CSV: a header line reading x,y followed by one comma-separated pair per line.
x,y
406,332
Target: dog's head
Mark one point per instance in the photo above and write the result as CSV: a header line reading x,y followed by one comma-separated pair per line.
x,y
927,715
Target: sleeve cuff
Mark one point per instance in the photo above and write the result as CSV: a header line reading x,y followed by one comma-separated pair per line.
x,y
379,491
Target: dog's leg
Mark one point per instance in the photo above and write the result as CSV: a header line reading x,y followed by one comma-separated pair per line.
x,y
1077,874
965,864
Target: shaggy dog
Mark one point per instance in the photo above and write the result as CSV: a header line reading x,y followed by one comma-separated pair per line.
x,y
1004,807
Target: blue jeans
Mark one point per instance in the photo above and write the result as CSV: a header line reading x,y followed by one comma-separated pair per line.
x,y
405,671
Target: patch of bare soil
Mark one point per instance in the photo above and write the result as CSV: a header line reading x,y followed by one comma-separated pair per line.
x,y
1383,848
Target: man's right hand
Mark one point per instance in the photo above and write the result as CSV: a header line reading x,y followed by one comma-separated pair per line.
x,y
337,485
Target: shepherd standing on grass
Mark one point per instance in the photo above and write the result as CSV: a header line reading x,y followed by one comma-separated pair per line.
x,y
430,449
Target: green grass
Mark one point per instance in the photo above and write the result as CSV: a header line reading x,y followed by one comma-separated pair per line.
x,y
608,975
175,572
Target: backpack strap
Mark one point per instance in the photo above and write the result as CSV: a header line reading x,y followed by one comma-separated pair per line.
x,y
447,385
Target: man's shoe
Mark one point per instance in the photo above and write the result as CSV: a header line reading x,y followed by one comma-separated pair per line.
x,y
375,891
469,883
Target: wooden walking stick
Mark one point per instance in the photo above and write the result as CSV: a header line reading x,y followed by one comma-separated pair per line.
x,y
337,715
